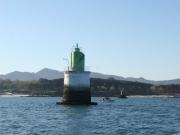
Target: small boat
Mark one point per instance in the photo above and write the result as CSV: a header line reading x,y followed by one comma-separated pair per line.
x,y
176,96
123,94
8,93
107,99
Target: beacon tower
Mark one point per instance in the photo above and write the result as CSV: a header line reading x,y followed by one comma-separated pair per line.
x,y
77,81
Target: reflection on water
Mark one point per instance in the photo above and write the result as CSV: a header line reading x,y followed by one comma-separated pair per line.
x,y
41,115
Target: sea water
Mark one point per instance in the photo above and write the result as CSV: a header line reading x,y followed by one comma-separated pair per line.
x,y
133,116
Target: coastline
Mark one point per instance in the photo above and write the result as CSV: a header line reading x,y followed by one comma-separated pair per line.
x,y
14,95
131,96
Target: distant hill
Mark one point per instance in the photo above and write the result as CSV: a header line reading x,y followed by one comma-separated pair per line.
x,y
16,75
27,76
142,80
51,74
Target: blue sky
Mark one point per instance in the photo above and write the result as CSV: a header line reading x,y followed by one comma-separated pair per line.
x,y
131,38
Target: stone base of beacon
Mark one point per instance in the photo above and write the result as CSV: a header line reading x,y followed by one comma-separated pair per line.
x,y
77,89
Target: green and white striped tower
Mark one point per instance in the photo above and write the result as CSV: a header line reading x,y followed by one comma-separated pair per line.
x,y
77,81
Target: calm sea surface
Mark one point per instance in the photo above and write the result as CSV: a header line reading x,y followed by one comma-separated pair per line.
x,y
133,116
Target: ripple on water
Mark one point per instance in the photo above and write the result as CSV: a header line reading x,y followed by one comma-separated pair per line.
x,y
40,115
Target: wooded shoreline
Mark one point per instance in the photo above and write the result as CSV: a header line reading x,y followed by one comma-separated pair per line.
x,y
99,87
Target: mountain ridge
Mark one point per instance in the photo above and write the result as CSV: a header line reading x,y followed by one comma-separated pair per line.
x,y
51,74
